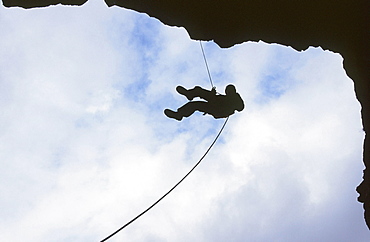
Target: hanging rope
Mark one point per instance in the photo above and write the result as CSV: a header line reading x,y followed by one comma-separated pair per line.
x,y
209,148
205,61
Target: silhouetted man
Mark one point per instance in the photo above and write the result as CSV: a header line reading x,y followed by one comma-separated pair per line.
x,y
217,105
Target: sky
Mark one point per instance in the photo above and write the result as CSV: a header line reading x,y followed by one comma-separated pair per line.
x,y
85,146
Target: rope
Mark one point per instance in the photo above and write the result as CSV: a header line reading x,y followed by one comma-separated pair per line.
x,y
205,60
209,148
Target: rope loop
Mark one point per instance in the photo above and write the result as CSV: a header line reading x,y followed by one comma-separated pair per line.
x,y
200,160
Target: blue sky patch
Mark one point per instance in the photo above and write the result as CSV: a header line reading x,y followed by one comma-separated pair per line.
x,y
277,78
144,38
274,85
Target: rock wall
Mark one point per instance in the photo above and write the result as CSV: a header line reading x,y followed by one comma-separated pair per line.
x,y
40,3
338,25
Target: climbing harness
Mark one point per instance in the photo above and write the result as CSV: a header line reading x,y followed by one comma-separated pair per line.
x,y
200,160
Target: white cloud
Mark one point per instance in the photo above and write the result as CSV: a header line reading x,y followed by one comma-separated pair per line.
x,y
85,146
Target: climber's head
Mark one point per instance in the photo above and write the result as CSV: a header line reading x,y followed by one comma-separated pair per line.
x,y
238,102
230,89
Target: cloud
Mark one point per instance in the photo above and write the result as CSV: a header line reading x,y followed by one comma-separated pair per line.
x,y
85,146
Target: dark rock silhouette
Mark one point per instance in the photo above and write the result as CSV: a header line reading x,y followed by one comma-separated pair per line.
x,y
217,105
340,26
40,3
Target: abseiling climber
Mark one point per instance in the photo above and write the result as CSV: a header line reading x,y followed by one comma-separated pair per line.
x,y
217,105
